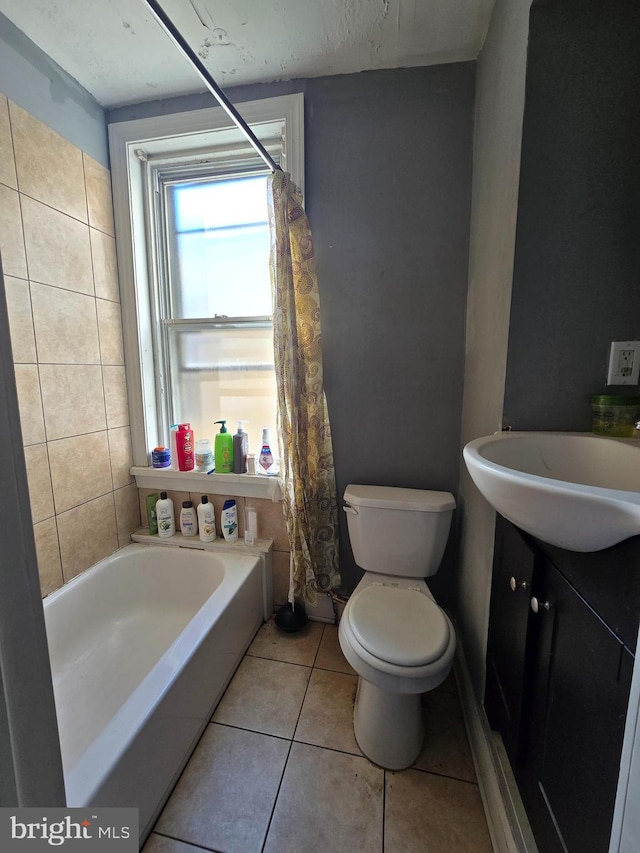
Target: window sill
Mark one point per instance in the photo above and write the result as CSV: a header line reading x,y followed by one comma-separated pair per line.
x,y
239,485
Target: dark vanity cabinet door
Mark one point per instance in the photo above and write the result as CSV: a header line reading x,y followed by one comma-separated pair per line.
x,y
581,680
506,684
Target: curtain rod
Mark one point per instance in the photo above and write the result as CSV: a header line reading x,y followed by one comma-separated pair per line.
x,y
177,38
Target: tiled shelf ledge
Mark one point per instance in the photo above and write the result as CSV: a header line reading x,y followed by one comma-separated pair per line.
x,y
240,485
260,546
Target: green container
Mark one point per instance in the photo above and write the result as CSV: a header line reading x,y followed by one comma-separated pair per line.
x,y
615,416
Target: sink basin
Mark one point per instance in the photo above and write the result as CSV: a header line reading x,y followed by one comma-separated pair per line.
x,y
575,490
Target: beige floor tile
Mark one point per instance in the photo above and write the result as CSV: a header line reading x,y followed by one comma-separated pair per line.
x,y
426,812
264,696
328,801
299,647
326,718
446,748
225,796
330,654
161,844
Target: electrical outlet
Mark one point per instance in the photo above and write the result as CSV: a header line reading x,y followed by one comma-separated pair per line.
x,y
624,363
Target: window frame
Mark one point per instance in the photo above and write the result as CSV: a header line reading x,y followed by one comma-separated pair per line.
x,y
131,143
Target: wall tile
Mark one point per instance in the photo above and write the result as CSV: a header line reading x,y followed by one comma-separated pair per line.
x,y
271,523
23,343
80,469
121,459
127,513
105,265
48,553
49,167
66,326
30,403
99,199
58,247
73,399
280,577
87,534
110,327
115,396
14,260
7,160
40,494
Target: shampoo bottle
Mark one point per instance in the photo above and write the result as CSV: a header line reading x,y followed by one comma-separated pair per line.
x,y
184,447
223,450
230,521
240,450
165,517
265,460
206,520
188,519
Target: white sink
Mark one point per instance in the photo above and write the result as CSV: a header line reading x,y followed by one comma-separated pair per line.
x,y
575,490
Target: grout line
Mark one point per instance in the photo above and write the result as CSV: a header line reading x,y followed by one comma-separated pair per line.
x,y
384,805
275,800
181,841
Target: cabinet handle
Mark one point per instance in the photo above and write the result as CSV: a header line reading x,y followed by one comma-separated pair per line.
x,y
513,583
537,605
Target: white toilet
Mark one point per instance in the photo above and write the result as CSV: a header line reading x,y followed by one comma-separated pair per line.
x,y
392,632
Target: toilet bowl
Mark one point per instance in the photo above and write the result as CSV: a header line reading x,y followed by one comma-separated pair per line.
x,y
392,632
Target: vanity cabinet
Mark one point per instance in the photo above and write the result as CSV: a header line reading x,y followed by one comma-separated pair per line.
x,y
558,682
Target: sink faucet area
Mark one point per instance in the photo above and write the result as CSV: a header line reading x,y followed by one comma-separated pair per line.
x,y
574,490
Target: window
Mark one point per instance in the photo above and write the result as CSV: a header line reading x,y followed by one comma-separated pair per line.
x,y
193,245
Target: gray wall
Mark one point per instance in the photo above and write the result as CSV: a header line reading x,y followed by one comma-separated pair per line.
x,y
388,182
35,82
577,266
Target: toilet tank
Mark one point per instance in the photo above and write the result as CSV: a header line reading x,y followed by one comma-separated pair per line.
x,y
398,531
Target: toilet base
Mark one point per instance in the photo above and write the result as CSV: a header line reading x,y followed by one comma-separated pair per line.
x,y
389,727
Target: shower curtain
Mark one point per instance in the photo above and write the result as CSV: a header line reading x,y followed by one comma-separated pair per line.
x,y
306,453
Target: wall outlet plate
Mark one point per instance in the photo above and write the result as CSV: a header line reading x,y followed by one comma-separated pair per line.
x,y
624,363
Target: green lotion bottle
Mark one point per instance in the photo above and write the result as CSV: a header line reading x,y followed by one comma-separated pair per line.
x,y
223,450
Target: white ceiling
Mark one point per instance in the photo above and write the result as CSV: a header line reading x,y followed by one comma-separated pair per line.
x,y
119,53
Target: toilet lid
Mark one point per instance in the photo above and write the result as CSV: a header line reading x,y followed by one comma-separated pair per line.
x,y
400,626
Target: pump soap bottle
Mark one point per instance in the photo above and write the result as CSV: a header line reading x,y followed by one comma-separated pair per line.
x,y
240,450
223,450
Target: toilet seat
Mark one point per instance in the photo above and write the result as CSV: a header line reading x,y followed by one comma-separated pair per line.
x,y
398,625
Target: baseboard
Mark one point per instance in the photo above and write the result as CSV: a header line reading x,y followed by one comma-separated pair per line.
x,y
506,818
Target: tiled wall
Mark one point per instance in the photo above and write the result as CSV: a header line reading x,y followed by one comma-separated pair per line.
x,y
270,526
59,259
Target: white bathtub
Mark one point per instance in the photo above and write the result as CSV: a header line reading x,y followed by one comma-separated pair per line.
x,y
142,646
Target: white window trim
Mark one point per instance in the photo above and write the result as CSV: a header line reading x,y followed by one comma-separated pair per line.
x,y
125,139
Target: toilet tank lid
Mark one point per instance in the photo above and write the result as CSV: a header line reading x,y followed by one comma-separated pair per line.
x,y
390,497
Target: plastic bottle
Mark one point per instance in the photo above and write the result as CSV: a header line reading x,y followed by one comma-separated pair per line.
x,y
250,525
184,447
204,455
240,450
206,520
165,517
188,519
266,463
223,450
229,522
173,445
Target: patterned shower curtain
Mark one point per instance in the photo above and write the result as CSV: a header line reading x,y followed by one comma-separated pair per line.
x,y
306,452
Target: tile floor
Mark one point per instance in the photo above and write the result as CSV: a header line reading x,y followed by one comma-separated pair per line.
x,y
278,767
